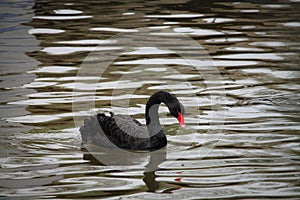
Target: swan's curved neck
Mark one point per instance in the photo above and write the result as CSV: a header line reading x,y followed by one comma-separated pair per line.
x,y
152,117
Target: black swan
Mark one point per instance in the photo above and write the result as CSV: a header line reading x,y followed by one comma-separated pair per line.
x,y
127,133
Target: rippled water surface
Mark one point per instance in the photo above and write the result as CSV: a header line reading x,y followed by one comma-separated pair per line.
x,y
241,95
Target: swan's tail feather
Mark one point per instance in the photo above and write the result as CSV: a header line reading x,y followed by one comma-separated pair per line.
x,y
101,115
89,128
92,133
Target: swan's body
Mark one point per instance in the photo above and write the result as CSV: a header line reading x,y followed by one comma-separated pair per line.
x,y
127,133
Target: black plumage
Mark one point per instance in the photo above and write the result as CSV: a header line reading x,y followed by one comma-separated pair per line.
x,y
124,132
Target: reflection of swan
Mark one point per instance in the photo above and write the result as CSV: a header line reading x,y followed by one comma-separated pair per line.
x,y
113,157
124,132
118,157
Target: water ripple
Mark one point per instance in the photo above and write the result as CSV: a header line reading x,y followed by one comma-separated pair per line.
x,y
241,139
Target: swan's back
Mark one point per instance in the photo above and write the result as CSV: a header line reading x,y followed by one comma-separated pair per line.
x,y
121,130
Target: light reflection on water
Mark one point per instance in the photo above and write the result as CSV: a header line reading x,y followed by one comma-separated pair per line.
x,y
255,47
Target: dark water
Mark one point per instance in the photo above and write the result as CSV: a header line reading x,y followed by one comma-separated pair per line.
x,y
242,99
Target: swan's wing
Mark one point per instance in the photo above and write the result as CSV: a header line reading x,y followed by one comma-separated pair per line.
x,y
137,122
115,131
127,118
122,125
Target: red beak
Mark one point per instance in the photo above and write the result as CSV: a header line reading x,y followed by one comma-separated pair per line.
x,y
180,119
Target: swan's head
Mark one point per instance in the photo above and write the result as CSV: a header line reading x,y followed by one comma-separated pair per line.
x,y
177,110
175,107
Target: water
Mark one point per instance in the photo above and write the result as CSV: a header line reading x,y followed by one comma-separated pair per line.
x,y
242,138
